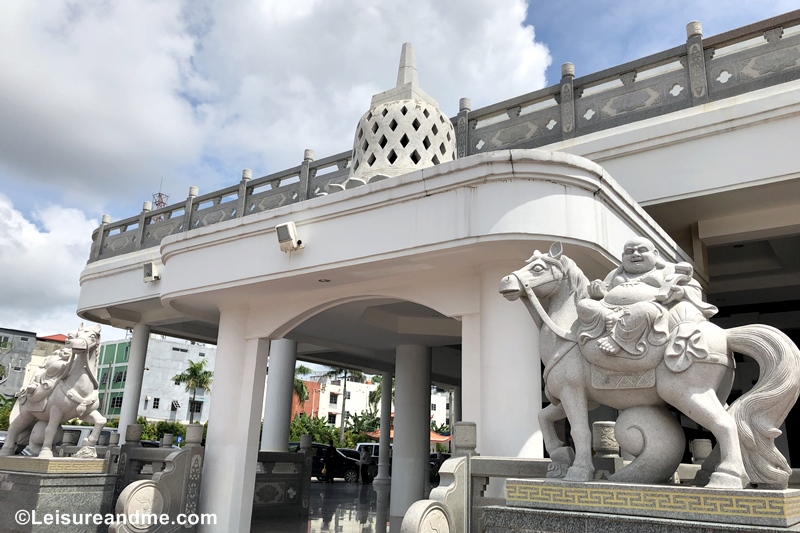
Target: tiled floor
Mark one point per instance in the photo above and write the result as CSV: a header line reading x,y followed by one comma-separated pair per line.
x,y
337,508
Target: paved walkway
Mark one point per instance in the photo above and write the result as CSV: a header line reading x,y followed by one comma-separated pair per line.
x,y
337,508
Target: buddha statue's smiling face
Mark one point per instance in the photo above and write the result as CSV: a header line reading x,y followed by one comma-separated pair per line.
x,y
639,256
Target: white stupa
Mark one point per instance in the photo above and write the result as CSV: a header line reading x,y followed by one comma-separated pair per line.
x,y
403,131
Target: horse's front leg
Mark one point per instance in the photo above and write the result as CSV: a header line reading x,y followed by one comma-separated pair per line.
x,y
576,407
99,422
561,456
50,433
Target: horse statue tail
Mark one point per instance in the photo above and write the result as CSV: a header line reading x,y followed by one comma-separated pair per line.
x,y
760,412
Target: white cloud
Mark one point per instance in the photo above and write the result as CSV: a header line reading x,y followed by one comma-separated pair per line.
x,y
41,260
102,100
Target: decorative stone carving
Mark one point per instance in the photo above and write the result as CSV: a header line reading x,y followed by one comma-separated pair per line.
x,y
65,387
426,516
604,441
647,315
403,131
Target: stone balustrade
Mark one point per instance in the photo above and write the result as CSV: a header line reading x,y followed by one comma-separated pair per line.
x,y
158,481
695,73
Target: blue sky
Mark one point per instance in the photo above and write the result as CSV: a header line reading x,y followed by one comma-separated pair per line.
x,y
101,102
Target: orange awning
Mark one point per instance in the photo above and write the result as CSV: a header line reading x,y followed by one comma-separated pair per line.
x,y
435,437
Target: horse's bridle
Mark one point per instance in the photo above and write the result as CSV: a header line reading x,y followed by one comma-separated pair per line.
x,y
534,305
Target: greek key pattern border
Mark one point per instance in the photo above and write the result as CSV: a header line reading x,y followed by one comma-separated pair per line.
x,y
755,506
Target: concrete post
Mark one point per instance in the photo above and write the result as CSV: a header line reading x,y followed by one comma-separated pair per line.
x,y
471,370
383,477
696,62
232,439
278,399
567,101
455,407
133,383
412,429
510,364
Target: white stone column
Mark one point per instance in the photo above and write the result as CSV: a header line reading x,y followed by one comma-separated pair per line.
x,y
411,427
383,477
471,370
278,399
510,375
232,439
455,408
133,381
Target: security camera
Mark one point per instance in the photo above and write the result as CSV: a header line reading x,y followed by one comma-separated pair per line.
x,y
287,237
150,272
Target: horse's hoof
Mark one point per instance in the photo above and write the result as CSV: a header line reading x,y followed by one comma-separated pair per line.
x,y
46,453
564,455
721,480
579,473
556,471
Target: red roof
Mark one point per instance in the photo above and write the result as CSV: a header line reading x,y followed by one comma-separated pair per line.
x,y
58,337
435,437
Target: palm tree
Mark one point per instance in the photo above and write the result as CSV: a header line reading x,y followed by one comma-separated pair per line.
x,y
195,377
375,395
344,374
299,385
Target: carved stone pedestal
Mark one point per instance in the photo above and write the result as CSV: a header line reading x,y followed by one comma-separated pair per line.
x,y
653,504
36,491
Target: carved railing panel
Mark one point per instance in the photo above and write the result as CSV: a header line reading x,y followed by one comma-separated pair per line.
x,y
775,60
746,59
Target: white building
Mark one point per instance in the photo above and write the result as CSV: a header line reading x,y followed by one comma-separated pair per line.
x,y
161,398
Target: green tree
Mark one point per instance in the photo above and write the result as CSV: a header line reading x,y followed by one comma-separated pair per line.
x,y
345,374
2,372
318,428
444,429
375,395
6,405
363,423
195,377
299,385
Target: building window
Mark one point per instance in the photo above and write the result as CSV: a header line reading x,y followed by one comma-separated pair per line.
x,y
175,405
447,406
333,398
23,338
433,407
156,402
447,421
331,418
197,407
119,377
336,382
184,350
347,395
116,402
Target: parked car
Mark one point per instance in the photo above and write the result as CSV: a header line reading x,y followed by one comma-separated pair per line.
x,y
374,448
343,466
436,460
79,433
351,453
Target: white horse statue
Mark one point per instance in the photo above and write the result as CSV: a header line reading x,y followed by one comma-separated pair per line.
x,y
626,363
64,388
